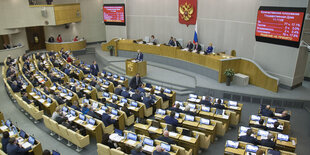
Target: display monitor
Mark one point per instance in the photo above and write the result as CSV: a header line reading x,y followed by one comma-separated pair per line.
x,y
206,109
148,141
251,148
132,136
232,144
165,146
189,118
283,137
22,134
92,121
204,121
255,118
118,131
114,112
31,140
280,25
82,117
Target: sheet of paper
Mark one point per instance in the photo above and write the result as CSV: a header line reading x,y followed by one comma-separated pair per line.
x,y
131,108
148,148
130,142
186,138
41,100
225,116
26,145
89,126
233,107
71,118
100,112
153,128
173,134
3,128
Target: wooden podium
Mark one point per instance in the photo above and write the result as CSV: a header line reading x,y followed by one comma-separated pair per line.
x,y
132,68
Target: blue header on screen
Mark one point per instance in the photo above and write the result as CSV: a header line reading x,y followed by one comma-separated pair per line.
x,y
132,136
31,140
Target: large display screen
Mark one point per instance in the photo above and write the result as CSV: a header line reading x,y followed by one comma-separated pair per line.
x,y
114,14
280,25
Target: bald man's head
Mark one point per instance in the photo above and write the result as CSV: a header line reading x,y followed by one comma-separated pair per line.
x,y
166,133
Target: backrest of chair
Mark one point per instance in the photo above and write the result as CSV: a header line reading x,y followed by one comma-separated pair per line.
x,y
72,137
117,152
103,149
46,122
63,130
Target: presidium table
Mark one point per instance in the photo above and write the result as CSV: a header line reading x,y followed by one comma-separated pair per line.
x,y
67,46
133,67
217,61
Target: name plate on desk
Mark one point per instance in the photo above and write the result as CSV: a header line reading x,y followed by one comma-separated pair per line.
x,y
153,128
173,134
186,138
131,142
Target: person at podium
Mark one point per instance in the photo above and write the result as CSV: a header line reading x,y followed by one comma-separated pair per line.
x,y
135,82
139,56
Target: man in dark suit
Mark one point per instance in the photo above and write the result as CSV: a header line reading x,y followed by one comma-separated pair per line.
x,y
218,104
137,150
197,47
160,151
267,112
5,140
190,45
260,125
205,101
25,98
13,149
171,120
285,116
58,98
135,82
92,113
176,108
106,118
139,56
188,111
248,138
125,93
147,100
15,87
163,95
93,83
170,43
165,138
94,68
176,43
268,142
118,90
136,96
275,127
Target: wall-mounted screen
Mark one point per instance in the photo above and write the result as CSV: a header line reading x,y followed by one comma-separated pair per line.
x,y
280,25
114,14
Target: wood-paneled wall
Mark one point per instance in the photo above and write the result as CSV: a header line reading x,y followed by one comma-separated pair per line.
x,y
67,13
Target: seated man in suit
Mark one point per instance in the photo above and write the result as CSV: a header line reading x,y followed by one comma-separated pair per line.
x,y
126,110
163,95
147,100
176,43
160,151
93,83
275,127
139,56
94,68
5,140
219,105
285,116
13,149
268,142
106,118
267,112
260,125
135,82
92,113
170,43
197,47
75,106
137,150
15,87
125,93
118,90
188,111
165,138
136,96
25,98
205,101
176,108
171,120
190,45
248,138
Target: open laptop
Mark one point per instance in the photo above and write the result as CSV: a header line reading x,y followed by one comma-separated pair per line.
x,y
283,137
165,146
232,144
251,148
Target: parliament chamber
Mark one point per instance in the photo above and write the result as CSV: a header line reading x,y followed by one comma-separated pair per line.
x,y
178,77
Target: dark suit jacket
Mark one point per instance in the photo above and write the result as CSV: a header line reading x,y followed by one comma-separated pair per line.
x,y
127,111
274,129
13,149
118,91
288,117
94,69
259,126
267,112
106,119
79,94
197,48
171,43
93,83
4,142
172,121
26,99
166,139
206,103
219,106
125,94
133,83
160,153
175,109
164,96
190,46
134,152
136,97
15,88
140,57
147,101
248,139
268,143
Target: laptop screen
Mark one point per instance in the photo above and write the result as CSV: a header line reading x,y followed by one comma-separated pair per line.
x,y
95,104
82,117
124,100
8,123
147,141
177,115
85,100
122,78
133,103
22,134
232,103
161,112
89,87
31,140
91,121
104,108
49,100
271,121
59,88
157,88
251,148
132,136
167,91
165,146
114,112
119,132
262,133
70,94
72,112
206,109
204,121
243,129
106,83
114,97
43,96
115,76
55,153
283,137
105,94
189,118
89,76
192,106
232,144
193,96
255,118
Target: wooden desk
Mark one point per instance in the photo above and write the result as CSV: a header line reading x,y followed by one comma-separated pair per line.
x,y
132,68
67,46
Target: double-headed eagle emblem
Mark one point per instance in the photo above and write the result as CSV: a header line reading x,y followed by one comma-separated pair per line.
x,y
186,11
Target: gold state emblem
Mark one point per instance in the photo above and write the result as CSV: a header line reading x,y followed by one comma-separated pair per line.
x,y
186,11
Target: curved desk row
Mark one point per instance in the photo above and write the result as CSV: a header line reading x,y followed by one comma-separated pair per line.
x,y
218,63
72,46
